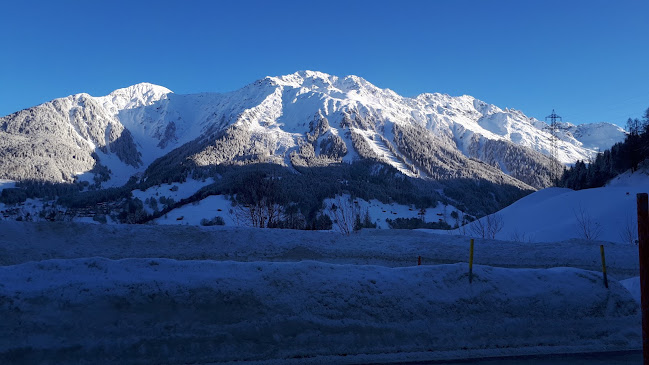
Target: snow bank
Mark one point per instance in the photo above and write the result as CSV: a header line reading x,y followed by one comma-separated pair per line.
x,y
633,286
158,310
26,241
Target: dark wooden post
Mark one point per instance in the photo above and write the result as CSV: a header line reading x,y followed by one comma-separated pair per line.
x,y
601,250
419,261
643,247
471,262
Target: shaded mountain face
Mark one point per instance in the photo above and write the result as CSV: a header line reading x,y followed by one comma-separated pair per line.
x,y
300,120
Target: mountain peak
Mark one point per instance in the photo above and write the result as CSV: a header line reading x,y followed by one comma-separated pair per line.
x,y
143,88
303,78
137,95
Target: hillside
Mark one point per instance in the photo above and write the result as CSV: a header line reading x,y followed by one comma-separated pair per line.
x,y
556,214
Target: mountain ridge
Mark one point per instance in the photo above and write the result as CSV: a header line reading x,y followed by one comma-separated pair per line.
x,y
132,127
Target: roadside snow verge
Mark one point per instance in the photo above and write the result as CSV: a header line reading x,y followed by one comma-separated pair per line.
x,y
165,311
633,286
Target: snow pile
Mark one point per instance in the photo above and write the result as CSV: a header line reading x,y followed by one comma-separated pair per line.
x,y
159,310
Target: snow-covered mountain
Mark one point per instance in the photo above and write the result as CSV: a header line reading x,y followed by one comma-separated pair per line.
x,y
303,119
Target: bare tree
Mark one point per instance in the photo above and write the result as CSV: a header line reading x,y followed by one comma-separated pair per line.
x,y
586,226
261,214
520,237
479,228
259,202
344,213
629,230
489,226
462,223
495,224
422,214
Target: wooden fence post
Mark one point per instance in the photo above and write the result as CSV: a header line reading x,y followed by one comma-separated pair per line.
x,y
601,250
471,262
643,248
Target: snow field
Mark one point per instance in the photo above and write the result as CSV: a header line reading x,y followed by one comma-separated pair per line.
x,y
220,205
176,191
160,310
208,208
29,208
379,211
6,184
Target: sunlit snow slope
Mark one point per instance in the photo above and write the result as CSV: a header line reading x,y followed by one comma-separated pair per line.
x,y
556,214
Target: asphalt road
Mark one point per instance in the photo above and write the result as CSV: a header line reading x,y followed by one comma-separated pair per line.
x,y
601,358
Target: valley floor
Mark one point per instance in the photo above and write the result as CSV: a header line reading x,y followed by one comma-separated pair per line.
x,y
77,292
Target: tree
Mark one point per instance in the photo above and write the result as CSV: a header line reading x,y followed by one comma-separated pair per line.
x,y
633,126
644,125
259,203
489,226
344,213
422,214
628,230
587,227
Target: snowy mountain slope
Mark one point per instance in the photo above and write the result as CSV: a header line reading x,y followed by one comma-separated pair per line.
x,y
453,118
318,118
314,117
55,141
67,137
595,136
556,214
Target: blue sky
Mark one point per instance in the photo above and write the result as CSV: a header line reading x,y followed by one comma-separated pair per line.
x,y
589,60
